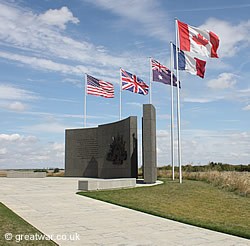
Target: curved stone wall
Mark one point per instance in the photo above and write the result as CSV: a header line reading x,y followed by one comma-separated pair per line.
x,y
107,151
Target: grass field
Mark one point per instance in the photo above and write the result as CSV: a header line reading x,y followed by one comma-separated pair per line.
x,y
193,202
12,223
237,182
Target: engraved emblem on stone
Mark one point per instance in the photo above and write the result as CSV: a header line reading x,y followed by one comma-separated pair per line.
x,y
117,153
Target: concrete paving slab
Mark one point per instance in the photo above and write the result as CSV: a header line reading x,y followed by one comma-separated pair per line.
x,y
51,205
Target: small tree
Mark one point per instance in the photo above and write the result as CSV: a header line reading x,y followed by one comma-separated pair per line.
x,y
56,170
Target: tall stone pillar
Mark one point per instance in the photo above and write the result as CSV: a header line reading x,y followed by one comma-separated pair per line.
x,y
149,144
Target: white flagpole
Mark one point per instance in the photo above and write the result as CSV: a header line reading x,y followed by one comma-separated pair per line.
x,y
172,111
150,81
120,94
85,101
178,101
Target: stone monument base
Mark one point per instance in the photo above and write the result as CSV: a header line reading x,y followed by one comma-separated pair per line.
x,y
26,174
105,184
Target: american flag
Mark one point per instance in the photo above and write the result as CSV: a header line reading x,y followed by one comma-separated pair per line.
x,y
162,74
133,83
99,88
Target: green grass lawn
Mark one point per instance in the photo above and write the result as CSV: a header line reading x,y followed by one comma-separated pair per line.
x,y
12,223
192,202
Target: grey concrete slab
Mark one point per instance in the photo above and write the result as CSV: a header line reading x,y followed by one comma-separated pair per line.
x,y
51,205
104,184
20,174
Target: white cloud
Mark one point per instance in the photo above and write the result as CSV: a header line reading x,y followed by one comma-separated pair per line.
x,y
245,91
143,16
47,127
6,138
163,116
232,37
162,133
12,93
58,146
17,106
23,30
9,94
46,47
205,99
3,151
135,104
246,108
243,94
224,81
221,90
58,127
218,64
198,100
58,17
19,151
202,146
76,82
44,64
212,8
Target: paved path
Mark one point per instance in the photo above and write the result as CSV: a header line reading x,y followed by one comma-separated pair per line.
x,y
51,205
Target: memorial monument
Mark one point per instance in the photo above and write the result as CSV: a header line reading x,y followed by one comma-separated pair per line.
x,y
110,151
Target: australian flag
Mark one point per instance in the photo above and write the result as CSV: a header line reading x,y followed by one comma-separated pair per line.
x,y
162,74
133,83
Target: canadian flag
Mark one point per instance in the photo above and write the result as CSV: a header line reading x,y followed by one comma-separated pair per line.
x,y
196,40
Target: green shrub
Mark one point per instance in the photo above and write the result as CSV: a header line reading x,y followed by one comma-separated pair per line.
x,y
56,170
41,170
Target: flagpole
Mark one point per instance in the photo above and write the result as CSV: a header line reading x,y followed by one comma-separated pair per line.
x,y
120,94
172,111
178,101
85,100
150,81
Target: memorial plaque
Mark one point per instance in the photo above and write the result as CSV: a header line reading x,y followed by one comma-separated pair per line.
x,y
86,148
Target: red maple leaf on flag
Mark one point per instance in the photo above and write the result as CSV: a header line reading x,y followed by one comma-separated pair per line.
x,y
200,40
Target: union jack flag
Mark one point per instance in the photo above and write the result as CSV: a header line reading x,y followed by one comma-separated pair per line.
x,y
133,83
158,66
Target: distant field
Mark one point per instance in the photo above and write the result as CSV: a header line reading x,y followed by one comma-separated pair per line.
x,y
3,173
193,202
50,173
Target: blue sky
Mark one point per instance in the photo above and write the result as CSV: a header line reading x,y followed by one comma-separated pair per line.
x,y
47,46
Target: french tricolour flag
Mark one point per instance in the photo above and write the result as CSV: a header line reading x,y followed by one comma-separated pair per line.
x,y
190,64
196,40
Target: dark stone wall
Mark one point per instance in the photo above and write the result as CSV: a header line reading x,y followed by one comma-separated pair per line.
x,y
81,152
108,151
